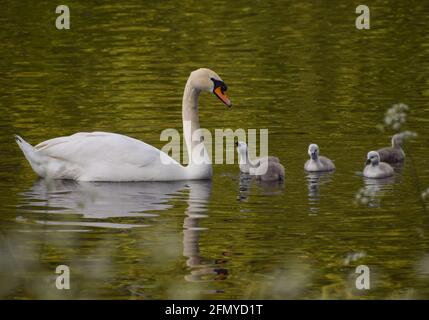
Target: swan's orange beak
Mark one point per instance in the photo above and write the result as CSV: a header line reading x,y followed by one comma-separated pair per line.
x,y
222,96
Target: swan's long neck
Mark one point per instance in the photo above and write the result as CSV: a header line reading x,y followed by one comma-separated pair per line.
x,y
396,144
191,121
244,158
245,162
191,126
248,161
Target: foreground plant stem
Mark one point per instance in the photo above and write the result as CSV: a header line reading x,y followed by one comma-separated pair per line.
x,y
416,180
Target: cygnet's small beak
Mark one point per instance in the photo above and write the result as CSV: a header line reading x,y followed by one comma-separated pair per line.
x,y
368,161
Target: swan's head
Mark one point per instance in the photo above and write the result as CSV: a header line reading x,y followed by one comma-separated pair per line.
x,y
204,79
241,148
313,151
373,158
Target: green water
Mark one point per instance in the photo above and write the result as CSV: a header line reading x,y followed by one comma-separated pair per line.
x,y
300,69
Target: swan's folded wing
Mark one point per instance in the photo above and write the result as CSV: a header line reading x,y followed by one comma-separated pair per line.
x,y
258,161
273,159
99,147
390,155
327,163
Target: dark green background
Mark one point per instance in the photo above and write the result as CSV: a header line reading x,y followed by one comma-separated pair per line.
x,y
300,69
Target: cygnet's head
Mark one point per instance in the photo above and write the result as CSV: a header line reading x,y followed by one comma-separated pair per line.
x,y
241,148
397,140
313,151
204,79
373,158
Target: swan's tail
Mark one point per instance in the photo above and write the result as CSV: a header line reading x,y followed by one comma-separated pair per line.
x,y
30,153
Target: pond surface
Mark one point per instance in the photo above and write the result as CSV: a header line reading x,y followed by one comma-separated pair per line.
x,y
301,70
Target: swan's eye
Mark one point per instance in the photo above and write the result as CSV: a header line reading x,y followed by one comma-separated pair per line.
x,y
219,88
219,84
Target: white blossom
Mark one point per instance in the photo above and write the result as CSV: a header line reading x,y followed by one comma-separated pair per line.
x,y
396,116
366,195
425,194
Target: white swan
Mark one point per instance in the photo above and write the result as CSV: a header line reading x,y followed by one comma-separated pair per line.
x,y
103,156
317,163
376,169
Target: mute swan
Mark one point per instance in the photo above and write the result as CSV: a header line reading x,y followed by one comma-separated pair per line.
x,y
376,169
265,169
395,153
103,156
317,163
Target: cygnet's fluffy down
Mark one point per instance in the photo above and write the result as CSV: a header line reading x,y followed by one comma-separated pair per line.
x,y
264,168
317,163
394,154
375,168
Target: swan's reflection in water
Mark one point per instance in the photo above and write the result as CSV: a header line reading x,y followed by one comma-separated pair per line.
x,y
373,191
102,200
314,181
245,181
268,188
201,269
